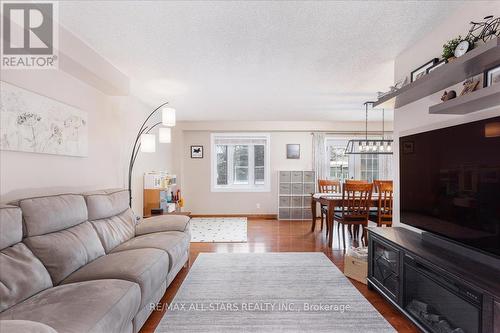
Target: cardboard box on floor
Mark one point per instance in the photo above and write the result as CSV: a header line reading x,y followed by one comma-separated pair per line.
x,y
355,268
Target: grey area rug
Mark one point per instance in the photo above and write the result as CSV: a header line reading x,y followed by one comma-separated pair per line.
x,y
269,292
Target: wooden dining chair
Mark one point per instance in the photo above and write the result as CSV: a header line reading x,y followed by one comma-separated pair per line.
x,y
383,215
327,186
356,200
376,184
356,181
354,229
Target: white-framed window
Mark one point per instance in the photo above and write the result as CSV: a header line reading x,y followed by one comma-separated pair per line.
x,y
370,167
338,163
240,162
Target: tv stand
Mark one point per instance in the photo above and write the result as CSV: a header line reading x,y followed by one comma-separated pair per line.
x,y
474,256
437,286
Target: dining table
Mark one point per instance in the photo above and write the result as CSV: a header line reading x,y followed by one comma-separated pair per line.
x,y
332,200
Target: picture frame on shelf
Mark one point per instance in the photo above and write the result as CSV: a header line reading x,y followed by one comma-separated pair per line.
x,y
491,76
470,85
196,151
293,151
422,70
437,65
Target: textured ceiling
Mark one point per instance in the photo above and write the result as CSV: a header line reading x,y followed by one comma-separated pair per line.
x,y
255,60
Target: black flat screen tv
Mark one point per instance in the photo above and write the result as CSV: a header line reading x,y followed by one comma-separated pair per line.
x,y
450,183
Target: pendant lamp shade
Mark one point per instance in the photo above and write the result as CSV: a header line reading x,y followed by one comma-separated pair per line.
x,y
165,134
168,117
148,143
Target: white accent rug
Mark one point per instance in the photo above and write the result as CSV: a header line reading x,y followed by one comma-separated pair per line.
x,y
219,229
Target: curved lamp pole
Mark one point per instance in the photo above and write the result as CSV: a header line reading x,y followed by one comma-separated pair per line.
x,y
145,129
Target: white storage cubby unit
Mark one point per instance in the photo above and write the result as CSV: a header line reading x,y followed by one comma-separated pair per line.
x,y
294,194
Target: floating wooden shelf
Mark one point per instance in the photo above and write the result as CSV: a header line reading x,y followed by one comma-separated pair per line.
x,y
478,100
472,63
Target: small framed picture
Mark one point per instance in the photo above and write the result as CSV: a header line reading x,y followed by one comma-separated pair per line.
x,y
196,151
422,70
491,76
293,151
437,65
469,86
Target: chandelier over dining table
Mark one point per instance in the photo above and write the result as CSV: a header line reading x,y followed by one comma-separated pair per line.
x,y
381,146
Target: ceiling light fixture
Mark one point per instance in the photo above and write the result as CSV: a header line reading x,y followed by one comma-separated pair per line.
x,y
370,146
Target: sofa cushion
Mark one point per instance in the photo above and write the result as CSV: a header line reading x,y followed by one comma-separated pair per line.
x,y
146,267
115,230
93,306
48,214
65,251
175,243
11,226
106,203
24,326
162,223
21,275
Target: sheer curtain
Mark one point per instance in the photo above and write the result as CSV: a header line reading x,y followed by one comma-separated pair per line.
x,y
320,161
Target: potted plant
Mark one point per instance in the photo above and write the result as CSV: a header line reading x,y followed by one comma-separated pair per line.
x,y
449,48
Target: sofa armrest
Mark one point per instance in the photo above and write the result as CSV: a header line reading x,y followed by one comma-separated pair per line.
x,y
162,223
24,326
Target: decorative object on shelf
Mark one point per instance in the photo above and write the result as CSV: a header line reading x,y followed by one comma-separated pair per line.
x,y
437,65
392,89
146,142
450,46
469,86
196,151
485,30
422,70
370,146
491,76
38,124
474,63
404,82
293,151
447,95
462,48
381,94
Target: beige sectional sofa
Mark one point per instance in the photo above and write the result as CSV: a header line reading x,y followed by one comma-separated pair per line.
x,y
81,263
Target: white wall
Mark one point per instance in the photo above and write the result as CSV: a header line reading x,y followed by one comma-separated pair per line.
x,y
84,80
23,174
414,118
196,173
196,176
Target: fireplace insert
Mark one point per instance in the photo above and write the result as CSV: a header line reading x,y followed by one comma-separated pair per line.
x,y
439,303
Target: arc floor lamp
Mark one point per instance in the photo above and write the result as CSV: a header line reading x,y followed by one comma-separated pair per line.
x,y
146,142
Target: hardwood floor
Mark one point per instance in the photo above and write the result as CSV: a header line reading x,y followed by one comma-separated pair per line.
x,y
283,236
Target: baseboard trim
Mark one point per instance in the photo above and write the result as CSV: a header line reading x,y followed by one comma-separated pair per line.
x,y
248,216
